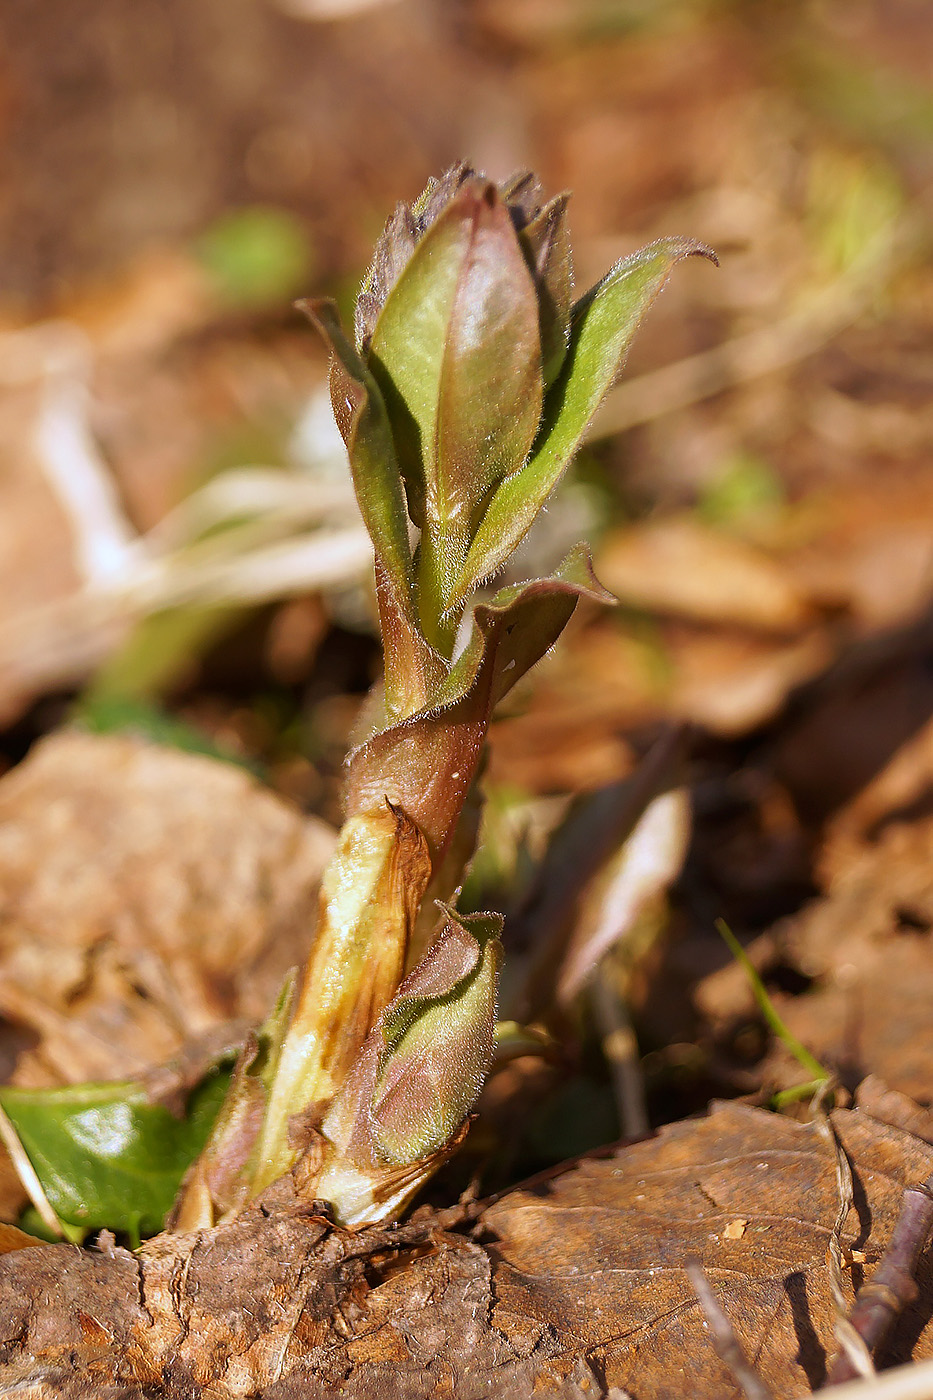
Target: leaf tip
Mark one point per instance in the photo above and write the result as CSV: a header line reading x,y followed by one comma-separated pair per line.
x,y
693,248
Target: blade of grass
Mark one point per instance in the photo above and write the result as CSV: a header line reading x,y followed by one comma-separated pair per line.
x,y
800,1052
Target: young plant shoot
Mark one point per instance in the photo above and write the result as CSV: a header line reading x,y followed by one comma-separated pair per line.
x,y
462,397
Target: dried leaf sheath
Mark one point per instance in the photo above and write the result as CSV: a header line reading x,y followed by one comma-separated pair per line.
x,y
370,897
418,1074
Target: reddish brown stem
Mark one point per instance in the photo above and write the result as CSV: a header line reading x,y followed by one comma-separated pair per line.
x,y
891,1287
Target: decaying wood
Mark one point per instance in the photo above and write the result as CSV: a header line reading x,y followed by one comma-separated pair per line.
x,y
569,1287
892,1286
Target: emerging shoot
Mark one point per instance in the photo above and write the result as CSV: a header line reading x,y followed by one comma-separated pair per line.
x,y
462,399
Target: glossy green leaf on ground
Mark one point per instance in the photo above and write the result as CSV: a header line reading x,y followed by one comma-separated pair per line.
x,y
108,1157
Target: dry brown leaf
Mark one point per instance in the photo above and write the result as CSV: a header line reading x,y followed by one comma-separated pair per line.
x,y
902,787
603,682
865,955
603,1247
870,548
732,683
633,881
867,945
12,1239
680,566
580,1284
146,896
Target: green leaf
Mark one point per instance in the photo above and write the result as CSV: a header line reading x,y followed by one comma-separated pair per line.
x,y
361,416
106,1155
603,325
426,764
423,1065
456,353
364,426
547,247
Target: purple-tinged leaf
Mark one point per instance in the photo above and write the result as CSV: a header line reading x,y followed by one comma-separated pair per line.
x,y
456,354
426,764
411,666
603,325
547,247
423,1066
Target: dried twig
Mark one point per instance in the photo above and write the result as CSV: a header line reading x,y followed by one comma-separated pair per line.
x,y
892,1286
620,1048
853,1346
722,1334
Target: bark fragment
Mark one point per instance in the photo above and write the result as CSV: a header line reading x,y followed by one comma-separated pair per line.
x,y
568,1287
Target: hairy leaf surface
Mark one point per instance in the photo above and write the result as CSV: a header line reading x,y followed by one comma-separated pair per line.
x,y
603,325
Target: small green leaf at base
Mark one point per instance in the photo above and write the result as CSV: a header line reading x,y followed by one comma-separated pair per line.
x,y
108,1157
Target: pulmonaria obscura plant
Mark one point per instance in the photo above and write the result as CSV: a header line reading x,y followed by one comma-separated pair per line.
x,y
464,395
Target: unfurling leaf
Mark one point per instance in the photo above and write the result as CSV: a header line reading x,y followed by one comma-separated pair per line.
x,y
419,1072
456,353
602,327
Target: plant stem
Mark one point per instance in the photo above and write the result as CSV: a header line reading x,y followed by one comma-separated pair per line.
x,y
370,896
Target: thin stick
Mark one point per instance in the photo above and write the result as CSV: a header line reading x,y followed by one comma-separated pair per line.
x,y
620,1048
722,1334
853,1347
27,1175
892,1286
